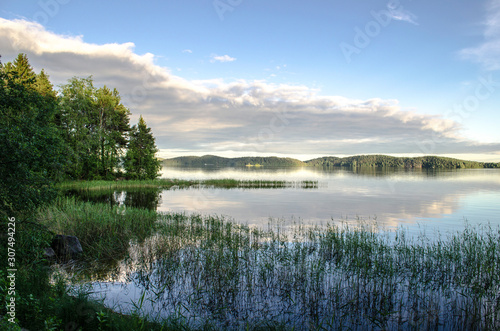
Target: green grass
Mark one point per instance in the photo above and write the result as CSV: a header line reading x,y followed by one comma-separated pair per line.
x,y
333,277
177,183
123,184
207,272
104,231
43,303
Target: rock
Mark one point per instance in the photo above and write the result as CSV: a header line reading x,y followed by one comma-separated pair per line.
x,y
49,253
66,247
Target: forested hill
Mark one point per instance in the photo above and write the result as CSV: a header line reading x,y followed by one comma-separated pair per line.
x,y
426,162
217,161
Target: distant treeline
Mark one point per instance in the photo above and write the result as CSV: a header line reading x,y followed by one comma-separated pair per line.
x,y
377,161
217,161
426,162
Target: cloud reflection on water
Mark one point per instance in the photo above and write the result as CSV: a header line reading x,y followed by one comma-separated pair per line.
x,y
393,198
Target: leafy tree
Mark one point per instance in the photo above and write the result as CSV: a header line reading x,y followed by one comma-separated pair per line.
x,y
95,125
31,150
76,107
140,161
113,127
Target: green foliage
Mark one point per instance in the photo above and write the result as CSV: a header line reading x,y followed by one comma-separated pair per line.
x,y
140,161
32,287
380,161
31,150
42,136
44,86
104,231
216,161
54,309
95,125
492,165
165,183
20,71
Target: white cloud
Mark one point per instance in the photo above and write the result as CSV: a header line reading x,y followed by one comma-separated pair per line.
x,y
187,51
488,53
398,13
222,58
206,116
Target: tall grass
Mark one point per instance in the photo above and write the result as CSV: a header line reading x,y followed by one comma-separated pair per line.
x,y
211,273
179,183
121,184
104,231
42,300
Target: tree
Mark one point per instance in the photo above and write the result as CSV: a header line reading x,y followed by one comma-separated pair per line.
x,y
75,123
20,71
95,125
140,161
44,86
113,127
31,150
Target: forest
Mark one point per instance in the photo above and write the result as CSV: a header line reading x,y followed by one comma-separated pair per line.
x,y
425,162
80,132
217,161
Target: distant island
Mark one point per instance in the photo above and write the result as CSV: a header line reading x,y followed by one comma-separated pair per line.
x,y
217,161
376,161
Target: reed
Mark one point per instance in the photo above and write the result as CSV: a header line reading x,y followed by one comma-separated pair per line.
x,y
207,272
178,183
104,231
125,184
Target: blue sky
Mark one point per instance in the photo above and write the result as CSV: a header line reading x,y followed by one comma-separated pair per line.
x,y
287,78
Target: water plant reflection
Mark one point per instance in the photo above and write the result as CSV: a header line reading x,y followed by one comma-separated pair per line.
x,y
209,271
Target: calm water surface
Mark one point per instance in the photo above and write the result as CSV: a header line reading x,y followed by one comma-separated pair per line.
x,y
416,199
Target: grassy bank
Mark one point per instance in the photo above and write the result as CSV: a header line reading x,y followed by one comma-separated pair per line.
x,y
178,183
210,273
42,303
104,231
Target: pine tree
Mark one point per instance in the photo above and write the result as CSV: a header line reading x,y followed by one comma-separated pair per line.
x,y
20,71
140,161
44,86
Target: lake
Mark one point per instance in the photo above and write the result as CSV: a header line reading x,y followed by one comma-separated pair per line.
x,y
249,278
434,199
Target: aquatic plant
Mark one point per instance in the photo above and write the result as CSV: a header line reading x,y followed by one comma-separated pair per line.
x,y
208,271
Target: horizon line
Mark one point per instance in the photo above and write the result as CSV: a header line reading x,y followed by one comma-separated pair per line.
x,y
465,157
